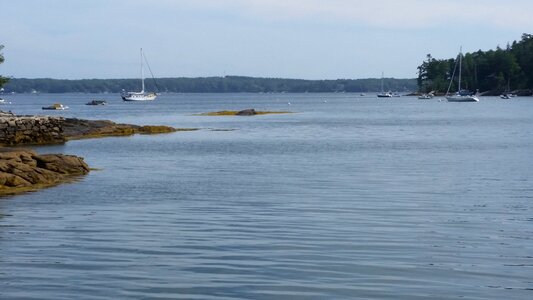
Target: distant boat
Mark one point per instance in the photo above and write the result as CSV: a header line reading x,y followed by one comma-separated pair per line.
x,y
2,100
55,106
383,94
460,96
427,96
508,94
142,95
96,102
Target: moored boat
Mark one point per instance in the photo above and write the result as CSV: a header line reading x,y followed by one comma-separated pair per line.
x,y
384,94
96,102
142,95
460,96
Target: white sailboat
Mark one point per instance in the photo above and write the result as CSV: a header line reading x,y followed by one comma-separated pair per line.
x,y
384,94
460,96
142,95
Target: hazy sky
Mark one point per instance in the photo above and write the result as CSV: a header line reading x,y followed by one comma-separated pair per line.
x,y
310,39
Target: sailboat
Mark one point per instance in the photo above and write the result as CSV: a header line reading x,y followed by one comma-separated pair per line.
x,y
383,94
460,96
142,95
507,94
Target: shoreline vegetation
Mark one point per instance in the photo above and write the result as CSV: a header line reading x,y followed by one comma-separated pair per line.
x,y
492,72
23,170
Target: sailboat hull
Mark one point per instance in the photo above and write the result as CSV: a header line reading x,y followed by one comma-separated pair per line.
x,y
139,96
459,98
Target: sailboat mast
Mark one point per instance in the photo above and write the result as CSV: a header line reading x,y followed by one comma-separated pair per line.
x,y
142,71
460,67
381,81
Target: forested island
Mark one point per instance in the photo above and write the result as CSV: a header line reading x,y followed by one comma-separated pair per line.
x,y
492,72
226,84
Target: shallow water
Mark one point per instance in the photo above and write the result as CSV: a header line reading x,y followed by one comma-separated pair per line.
x,y
347,198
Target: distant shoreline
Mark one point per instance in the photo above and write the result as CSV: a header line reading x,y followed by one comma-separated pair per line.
x,y
226,84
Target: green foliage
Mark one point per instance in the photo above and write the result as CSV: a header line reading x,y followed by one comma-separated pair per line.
x,y
227,84
494,70
3,80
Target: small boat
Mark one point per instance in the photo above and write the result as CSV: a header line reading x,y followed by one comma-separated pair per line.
x,y
55,106
142,95
461,95
2,100
505,96
384,94
96,102
427,96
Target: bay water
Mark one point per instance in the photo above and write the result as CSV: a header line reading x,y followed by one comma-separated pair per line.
x,y
347,197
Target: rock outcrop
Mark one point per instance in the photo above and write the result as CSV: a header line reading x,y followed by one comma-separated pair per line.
x,y
247,112
82,129
24,170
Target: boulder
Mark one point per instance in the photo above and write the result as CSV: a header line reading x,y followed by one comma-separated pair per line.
x,y
247,112
23,170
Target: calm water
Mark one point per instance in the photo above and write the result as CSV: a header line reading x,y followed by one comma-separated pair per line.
x,y
348,198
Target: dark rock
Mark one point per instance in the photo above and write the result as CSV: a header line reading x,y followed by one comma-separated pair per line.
x,y
247,112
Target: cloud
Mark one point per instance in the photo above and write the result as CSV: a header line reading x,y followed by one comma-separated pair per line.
x,y
386,14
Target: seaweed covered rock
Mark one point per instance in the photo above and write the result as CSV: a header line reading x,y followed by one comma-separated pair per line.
x,y
80,129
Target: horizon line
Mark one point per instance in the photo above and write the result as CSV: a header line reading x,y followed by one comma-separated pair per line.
x,y
200,77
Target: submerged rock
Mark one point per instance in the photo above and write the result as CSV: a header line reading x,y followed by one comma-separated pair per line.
x,y
246,112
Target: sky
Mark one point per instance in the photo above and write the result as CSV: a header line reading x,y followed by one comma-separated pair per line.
x,y
306,39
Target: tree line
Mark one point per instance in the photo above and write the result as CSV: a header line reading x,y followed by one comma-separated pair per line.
x,y
3,80
493,71
226,84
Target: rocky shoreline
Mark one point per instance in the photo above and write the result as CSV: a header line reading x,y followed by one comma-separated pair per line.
x,y
23,170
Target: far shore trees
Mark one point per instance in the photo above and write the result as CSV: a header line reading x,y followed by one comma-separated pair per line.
x,y
3,80
501,70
